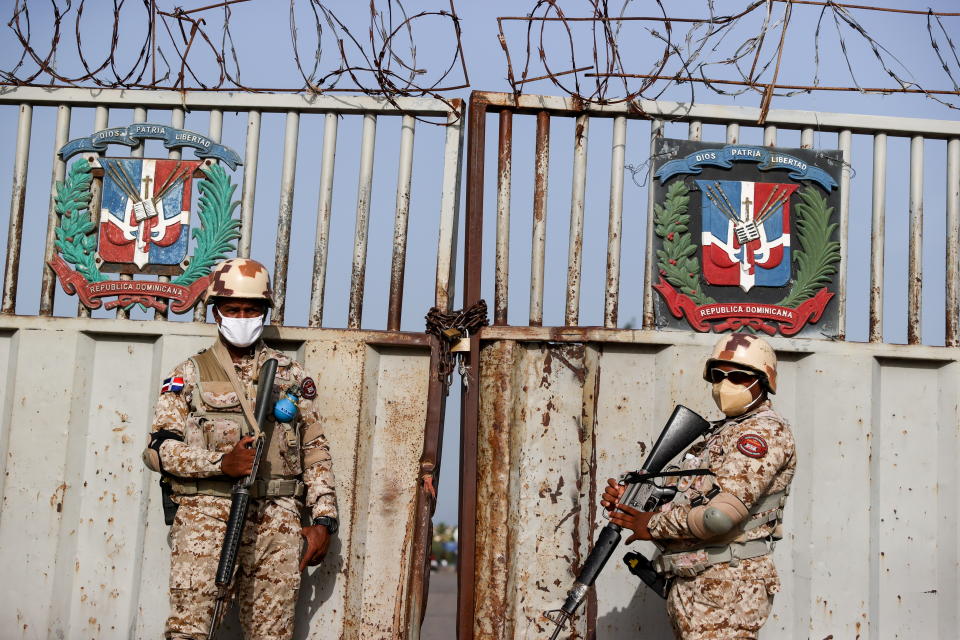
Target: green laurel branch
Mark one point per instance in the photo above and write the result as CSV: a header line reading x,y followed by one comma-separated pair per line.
x,y
676,260
74,235
818,255
217,225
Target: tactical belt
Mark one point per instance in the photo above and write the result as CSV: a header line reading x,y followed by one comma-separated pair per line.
x,y
262,488
687,564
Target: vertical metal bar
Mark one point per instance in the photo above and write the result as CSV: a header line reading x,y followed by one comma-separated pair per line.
x,y
611,305
139,115
177,119
769,136
364,187
733,133
450,208
288,175
539,235
656,132
402,217
324,208
249,191
215,129
806,138
100,120
878,223
695,130
49,282
501,287
915,252
953,243
578,191
845,141
17,203
469,394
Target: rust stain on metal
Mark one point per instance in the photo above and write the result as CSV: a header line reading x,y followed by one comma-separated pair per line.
x,y
492,521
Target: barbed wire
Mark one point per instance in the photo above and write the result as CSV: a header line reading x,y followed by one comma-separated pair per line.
x,y
173,48
590,66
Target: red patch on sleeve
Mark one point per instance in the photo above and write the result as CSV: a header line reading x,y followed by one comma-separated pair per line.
x,y
752,446
308,388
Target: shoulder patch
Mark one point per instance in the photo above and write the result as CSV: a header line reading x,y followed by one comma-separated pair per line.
x,y
308,388
172,385
752,445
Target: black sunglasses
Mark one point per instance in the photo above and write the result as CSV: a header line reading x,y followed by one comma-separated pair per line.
x,y
736,376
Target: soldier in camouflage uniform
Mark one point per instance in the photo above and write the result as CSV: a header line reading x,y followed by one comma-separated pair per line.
x,y
716,536
196,444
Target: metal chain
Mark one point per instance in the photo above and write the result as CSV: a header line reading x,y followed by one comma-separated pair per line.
x,y
450,328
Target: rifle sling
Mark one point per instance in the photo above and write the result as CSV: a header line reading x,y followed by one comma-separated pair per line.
x,y
223,359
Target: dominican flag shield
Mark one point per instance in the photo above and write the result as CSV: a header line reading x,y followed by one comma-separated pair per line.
x,y
746,233
145,209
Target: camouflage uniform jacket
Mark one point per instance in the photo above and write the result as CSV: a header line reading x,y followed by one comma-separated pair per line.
x,y
752,456
302,445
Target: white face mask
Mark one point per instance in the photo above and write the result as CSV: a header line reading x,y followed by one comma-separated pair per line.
x,y
734,399
241,332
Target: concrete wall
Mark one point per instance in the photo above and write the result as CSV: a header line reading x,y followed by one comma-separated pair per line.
x,y
83,545
871,546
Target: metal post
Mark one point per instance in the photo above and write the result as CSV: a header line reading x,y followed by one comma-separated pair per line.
x,y
364,187
915,252
501,286
695,130
539,235
878,225
611,303
575,248
288,176
845,140
251,157
770,136
401,219
733,133
48,285
324,209
656,132
17,202
953,243
449,208
470,396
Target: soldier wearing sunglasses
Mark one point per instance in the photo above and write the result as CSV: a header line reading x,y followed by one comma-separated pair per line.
x,y
716,537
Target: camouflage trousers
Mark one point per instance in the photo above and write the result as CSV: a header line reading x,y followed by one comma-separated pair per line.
x,y
267,576
724,602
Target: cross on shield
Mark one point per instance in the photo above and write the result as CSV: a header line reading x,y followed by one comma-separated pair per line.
x,y
746,233
144,209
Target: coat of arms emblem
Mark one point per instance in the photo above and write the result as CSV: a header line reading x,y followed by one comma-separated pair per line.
x,y
745,237
142,225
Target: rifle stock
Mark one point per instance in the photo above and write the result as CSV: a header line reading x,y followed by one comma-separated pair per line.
x,y
240,496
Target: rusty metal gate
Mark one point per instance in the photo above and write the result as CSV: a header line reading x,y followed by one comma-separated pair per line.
x,y
551,411
81,532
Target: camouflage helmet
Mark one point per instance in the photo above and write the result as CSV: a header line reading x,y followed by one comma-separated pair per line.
x,y
749,352
240,278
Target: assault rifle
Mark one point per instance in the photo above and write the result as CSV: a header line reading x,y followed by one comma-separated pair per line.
x,y
683,427
240,496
